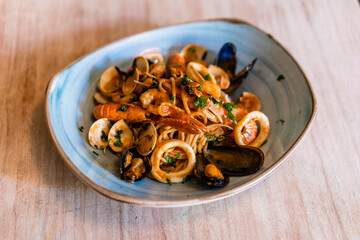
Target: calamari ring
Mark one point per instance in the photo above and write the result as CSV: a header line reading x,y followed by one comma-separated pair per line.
x,y
264,128
174,177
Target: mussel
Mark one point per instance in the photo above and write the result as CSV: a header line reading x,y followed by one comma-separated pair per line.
x,y
218,163
208,173
133,167
227,60
235,160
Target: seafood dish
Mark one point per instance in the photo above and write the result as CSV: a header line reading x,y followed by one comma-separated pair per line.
x,y
173,119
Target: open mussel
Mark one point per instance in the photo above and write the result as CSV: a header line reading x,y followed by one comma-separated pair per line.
x,y
133,167
227,60
235,160
208,173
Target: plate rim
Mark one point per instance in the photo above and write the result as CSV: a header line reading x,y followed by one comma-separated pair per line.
x,y
193,201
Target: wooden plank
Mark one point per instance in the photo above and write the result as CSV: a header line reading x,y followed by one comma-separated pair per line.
x,y
314,195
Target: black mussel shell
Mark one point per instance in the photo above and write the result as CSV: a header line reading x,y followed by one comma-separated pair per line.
x,y
235,160
240,77
124,169
201,162
226,58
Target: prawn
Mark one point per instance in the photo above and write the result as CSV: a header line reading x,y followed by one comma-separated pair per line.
x,y
115,112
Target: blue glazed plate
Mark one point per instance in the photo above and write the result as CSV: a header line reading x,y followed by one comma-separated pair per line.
x,y
289,104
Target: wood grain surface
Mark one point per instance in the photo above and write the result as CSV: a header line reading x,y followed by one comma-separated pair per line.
x,y
314,195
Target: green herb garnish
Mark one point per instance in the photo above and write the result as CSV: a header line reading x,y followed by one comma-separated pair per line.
x,y
185,80
168,181
270,36
169,159
95,153
154,85
103,136
207,77
200,87
216,141
201,101
96,146
81,128
149,137
191,50
117,137
192,123
208,136
219,161
172,98
150,149
178,155
230,107
123,108
214,100
186,179
282,121
280,77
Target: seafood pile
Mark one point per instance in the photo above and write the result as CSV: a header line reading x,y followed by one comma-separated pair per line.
x,y
175,119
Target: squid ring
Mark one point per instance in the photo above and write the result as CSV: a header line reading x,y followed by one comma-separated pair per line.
x,y
264,128
174,177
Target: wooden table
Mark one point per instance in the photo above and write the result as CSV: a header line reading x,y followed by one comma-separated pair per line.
x,y
314,195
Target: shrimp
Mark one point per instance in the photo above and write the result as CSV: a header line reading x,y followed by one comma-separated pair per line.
x,y
115,112
152,98
176,65
178,119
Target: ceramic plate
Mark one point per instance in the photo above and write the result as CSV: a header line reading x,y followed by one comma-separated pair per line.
x,y
289,105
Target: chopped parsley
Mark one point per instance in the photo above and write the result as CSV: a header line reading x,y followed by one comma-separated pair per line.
x,y
200,87
230,107
96,146
177,65
168,181
186,179
103,136
178,155
192,123
154,85
208,136
117,137
214,100
189,89
123,108
169,159
201,101
95,153
270,36
282,121
172,98
207,77
150,149
263,143
81,128
149,137
219,161
191,50
212,138
280,77
185,80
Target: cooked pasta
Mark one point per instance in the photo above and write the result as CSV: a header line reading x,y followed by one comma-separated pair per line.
x,y
166,115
